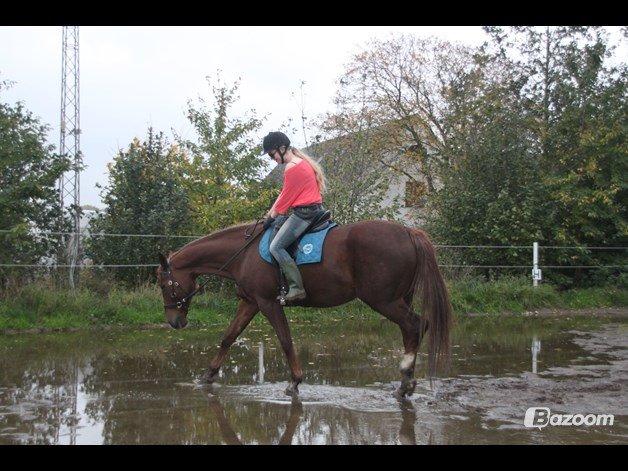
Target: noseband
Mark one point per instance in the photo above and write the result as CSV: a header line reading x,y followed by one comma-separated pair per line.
x,y
183,302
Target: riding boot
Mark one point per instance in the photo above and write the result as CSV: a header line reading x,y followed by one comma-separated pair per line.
x,y
295,282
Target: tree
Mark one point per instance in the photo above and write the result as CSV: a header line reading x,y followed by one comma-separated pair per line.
x,y
580,108
357,180
29,200
491,194
145,195
224,169
401,82
536,136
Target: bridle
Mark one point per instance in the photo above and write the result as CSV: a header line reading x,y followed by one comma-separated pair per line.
x,y
185,300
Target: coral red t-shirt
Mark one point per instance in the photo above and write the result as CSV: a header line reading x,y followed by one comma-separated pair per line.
x,y
299,188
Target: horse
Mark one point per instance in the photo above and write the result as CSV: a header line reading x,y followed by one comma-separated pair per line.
x,y
382,263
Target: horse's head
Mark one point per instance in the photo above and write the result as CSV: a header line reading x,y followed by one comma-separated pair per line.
x,y
176,288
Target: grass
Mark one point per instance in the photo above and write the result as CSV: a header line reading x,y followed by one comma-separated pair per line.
x,y
40,306
517,295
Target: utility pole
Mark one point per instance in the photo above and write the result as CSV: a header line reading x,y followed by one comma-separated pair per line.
x,y
70,144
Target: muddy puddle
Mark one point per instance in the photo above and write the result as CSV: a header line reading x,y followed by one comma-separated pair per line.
x,y
127,387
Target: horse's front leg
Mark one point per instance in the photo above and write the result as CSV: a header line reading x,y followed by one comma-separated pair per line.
x,y
246,311
277,318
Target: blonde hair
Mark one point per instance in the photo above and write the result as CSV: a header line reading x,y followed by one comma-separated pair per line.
x,y
318,170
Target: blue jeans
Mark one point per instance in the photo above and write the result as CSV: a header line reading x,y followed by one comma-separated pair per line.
x,y
289,231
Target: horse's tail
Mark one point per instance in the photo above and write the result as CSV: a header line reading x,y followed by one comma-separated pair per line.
x,y
436,310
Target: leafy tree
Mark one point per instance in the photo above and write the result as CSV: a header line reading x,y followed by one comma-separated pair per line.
x,y
536,136
145,195
223,175
348,154
29,201
491,194
401,83
580,109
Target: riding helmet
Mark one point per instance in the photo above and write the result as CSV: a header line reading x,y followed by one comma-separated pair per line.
x,y
275,140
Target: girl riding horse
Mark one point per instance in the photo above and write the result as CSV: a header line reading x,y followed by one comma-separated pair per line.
x,y
303,185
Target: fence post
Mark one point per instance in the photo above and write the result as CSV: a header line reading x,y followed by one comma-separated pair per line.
x,y
536,271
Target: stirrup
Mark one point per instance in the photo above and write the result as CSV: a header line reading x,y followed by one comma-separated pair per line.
x,y
282,297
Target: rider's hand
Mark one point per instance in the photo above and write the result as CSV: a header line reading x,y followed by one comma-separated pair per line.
x,y
268,222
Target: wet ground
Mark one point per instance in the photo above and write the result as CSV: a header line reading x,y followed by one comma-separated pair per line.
x,y
125,387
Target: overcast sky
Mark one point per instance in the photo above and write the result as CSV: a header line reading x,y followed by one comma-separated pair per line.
x,y
135,77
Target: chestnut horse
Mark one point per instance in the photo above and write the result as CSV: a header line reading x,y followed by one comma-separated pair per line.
x,y
381,263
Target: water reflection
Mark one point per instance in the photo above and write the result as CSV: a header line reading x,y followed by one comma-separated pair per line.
x,y
260,364
137,387
230,437
407,435
536,349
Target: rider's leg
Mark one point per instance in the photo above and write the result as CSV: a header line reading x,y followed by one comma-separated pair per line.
x,y
288,233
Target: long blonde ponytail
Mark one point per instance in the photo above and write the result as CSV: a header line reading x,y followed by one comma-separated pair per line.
x,y
318,170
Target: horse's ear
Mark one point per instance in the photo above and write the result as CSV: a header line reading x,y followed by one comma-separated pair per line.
x,y
164,262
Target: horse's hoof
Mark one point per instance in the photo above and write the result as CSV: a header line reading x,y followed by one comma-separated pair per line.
x,y
411,387
208,378
406,389
292,391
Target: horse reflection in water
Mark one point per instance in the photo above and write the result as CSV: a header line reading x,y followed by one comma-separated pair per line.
x,y
229,436
407,435
406,432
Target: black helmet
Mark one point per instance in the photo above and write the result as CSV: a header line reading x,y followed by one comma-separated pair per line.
x,y
275,140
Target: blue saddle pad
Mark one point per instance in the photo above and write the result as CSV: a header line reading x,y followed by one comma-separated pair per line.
x,y
310,246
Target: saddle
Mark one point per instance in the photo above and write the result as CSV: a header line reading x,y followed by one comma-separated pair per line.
x,y
320,222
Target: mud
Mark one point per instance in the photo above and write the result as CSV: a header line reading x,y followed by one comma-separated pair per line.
x,y
142,386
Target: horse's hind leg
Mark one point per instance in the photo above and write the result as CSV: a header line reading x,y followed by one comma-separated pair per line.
x,y
411,333
412,330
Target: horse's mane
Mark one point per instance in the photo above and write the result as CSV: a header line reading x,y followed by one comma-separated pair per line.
x,y
212,235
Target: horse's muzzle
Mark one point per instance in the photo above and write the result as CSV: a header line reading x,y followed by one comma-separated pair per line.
x,y
178,323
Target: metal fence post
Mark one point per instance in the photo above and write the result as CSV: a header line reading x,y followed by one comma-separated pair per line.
x,y
536,271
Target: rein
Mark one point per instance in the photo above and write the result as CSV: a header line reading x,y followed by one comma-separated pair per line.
x,y
186,299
